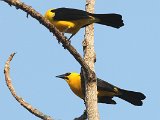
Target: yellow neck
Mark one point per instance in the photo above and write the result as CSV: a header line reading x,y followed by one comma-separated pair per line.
x,y
74,83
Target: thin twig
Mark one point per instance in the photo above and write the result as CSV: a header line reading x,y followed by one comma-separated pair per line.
x,y
26,105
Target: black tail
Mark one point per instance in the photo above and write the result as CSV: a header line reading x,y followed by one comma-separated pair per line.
x,y
134,98
113,20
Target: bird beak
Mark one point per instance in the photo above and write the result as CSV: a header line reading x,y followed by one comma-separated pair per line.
x,y
61,76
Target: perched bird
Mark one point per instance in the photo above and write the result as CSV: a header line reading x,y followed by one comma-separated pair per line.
x,y
105,90
69,20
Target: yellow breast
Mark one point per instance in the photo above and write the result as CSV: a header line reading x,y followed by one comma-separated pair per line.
x,y
75,86
72,26
66,26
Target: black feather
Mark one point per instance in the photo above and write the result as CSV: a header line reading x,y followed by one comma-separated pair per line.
x,y
113,20
132,97
107,100
69,14
105,86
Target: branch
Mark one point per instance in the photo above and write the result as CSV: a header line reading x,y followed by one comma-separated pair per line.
x,y
82,117
26,105
90,58
59,36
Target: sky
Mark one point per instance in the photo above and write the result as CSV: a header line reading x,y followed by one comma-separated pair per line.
x,y
128,57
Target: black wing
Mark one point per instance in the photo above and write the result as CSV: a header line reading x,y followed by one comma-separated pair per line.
x,y
69,14
103,85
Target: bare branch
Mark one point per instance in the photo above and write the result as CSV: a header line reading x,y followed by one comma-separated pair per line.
x,y
59,36
26,105
82,117
90,58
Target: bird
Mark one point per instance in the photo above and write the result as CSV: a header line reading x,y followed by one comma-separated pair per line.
x,y
70,20
105,90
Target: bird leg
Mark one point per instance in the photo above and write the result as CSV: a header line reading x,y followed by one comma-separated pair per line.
x,y
70,37
65,31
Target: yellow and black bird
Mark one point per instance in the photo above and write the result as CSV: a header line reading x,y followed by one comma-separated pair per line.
x,y
105,90
69,20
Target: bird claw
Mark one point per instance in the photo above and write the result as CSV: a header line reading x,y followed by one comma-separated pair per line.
x,y
69,41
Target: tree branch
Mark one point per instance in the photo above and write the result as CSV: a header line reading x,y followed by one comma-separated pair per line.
x,y
82,117
26,105
90,58
59,36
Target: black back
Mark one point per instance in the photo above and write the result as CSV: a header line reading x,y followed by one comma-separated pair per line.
x,y
103,85
69,14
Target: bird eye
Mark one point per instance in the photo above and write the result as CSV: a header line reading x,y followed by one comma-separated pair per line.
x,y
53,10
67,74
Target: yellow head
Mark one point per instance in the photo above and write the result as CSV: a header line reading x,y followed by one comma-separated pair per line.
x,y
49,15
74,81
70,76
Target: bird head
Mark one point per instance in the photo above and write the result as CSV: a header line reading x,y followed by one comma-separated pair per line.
x,y
49,14
69,76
